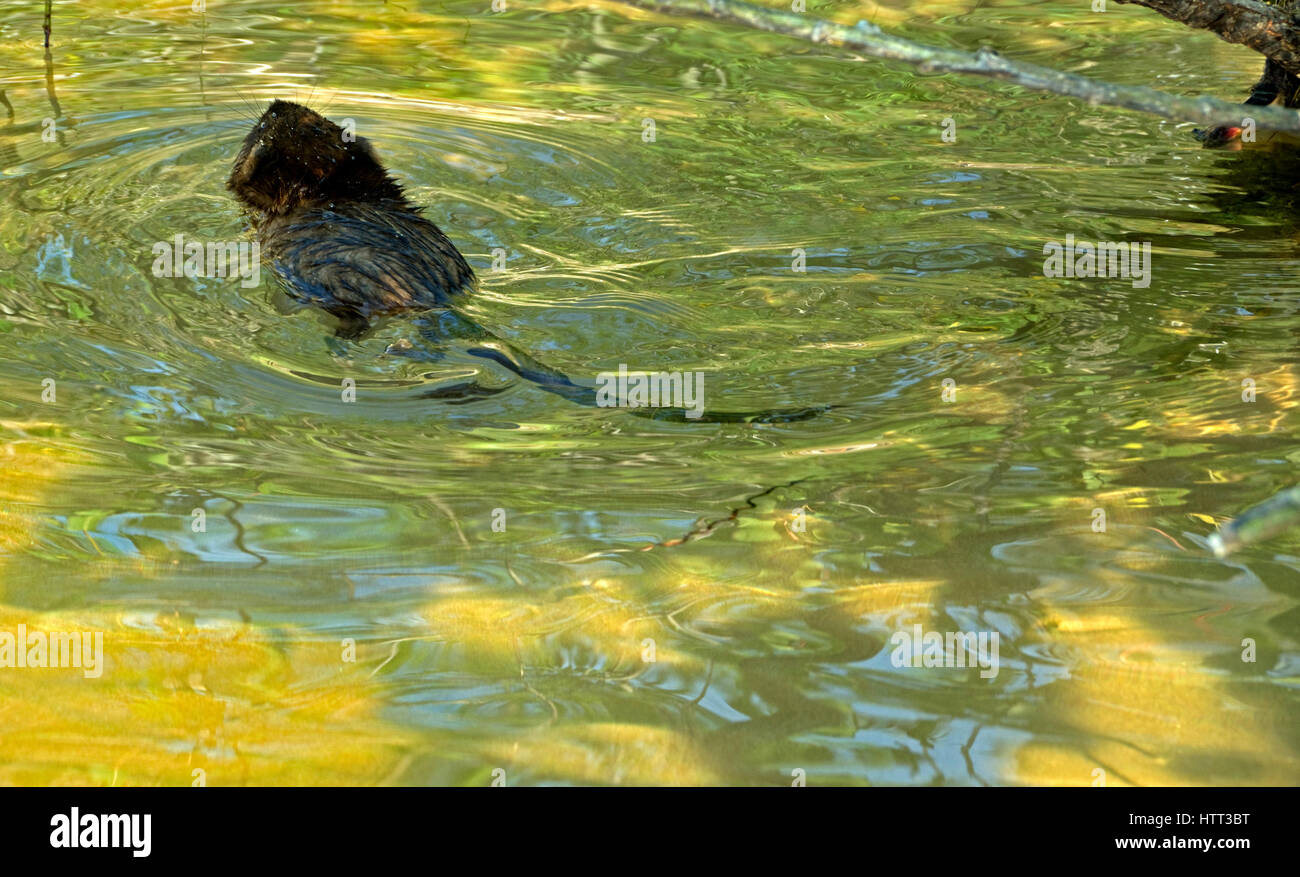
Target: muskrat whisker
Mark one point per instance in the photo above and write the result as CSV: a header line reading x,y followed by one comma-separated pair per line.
x,y
253,111
329,101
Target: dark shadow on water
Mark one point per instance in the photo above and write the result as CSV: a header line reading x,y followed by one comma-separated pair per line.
x,y
1254,185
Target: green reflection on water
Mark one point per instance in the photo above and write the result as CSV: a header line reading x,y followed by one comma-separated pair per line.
x,y
586,641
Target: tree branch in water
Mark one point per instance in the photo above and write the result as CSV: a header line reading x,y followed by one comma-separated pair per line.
x,y
869,40
1271,31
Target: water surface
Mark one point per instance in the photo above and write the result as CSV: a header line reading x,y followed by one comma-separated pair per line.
x,y
348,613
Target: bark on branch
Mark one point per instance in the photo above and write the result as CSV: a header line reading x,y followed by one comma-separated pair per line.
x,y
868,39
1271,31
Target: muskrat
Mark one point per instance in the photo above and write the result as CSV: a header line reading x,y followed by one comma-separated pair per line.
x,y
337,228
341,234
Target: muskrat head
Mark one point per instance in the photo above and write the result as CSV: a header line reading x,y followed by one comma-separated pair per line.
x,y
295,157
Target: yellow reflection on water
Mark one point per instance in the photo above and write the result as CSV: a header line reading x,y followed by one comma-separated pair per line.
x,y
1150,712
173,702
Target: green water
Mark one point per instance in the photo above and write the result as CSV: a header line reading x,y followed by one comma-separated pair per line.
x,y
349,613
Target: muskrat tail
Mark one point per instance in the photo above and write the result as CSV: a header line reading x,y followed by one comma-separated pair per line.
x,y
552,381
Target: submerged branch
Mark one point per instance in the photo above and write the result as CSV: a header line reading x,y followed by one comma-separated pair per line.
x,y
1258,523
870,40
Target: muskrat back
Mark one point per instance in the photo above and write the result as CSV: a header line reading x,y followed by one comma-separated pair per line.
x,y
336,227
